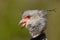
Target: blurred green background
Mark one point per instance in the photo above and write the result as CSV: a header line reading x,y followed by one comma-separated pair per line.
x,y
11,12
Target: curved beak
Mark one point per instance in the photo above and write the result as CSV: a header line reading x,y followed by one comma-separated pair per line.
x,y
22,23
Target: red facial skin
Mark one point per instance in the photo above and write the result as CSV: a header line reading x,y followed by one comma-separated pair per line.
x,y
26,20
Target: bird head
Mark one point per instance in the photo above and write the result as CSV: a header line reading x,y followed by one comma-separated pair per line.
x,y
31,17
28,17
35,21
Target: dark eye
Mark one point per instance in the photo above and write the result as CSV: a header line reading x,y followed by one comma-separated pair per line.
x,y
28,16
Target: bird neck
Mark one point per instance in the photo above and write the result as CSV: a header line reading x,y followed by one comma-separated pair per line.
x,y
42,36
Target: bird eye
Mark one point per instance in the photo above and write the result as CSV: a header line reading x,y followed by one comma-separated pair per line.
x,y
28,17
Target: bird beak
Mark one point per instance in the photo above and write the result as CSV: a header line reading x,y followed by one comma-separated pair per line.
x,y
22,23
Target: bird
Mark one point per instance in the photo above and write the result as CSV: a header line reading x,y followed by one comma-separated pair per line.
x,y
36,22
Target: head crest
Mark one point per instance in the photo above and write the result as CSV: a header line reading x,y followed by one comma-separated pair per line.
x,y
49,10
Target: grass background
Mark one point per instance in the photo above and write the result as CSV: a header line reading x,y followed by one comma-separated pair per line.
x,y
11,12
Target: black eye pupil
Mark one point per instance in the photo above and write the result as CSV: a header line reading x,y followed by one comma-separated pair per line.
x,y
28,16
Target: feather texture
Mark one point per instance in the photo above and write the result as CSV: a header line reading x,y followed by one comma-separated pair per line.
x,y
37,23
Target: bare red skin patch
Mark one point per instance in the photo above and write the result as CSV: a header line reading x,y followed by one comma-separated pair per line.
x,y
26,20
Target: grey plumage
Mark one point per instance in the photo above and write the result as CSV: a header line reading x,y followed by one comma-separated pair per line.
x,y
37,23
